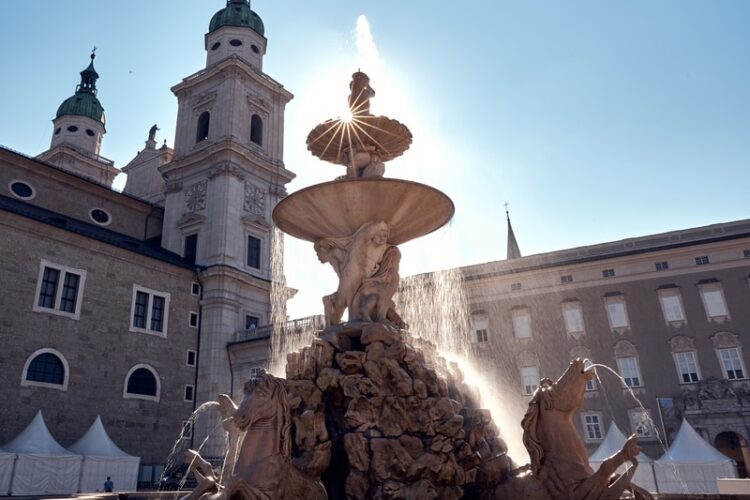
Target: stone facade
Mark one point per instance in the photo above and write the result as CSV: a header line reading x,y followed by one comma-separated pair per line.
x,y
674,303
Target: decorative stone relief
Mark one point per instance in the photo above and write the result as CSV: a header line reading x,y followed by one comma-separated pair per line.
x,y
228,169
624,349
255,199
195,197
681,343
722,340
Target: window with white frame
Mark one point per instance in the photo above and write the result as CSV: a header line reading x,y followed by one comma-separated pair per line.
x,y
59,290
529,379
687,367
629,371
712,295
641,423
191,358
193,319
590,384
521,322
142,382
617,312
731,363
573,316
592,426
46,368
149,312
480,326
671,305
189,392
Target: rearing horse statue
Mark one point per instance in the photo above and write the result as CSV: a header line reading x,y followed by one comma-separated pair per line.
x,y
559,459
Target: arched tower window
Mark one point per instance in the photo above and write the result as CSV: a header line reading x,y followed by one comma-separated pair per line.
x,y
256,130
47,368
142,382
204,121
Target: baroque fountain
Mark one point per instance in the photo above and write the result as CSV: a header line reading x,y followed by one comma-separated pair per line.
x,y
368,410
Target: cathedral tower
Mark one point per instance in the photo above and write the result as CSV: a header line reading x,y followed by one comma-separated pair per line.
x,y
226,176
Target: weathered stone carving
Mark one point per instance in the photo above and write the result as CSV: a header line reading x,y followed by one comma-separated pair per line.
x,y
263,467
559,459
195,197
255,199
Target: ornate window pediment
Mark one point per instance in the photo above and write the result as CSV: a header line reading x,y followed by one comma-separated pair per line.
x,y
624,349
723,340
681,343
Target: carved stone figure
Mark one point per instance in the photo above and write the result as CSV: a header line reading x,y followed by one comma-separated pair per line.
x,y
363,161
361,92
374,299
263,468
354,259
559,459
152,133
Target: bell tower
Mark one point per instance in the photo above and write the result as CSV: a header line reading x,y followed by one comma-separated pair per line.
x,y
225,177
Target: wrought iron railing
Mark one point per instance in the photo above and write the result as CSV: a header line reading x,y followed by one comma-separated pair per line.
x,y
290,328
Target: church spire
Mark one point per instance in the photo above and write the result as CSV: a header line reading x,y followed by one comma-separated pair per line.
x,y
89,76
513,252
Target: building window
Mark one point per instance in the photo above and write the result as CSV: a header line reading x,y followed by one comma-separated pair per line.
x,y
100,216
629,371
702,260
573,316
189,393
193,320
150,311
662,266
529,379
191,248
480,326
59,290
712,295
255,372
590,384
592,426
191,358
514,287
746,254
204,121
687,367
253,252
21,189
731,363
521,322
641,423
46,368
195,289
251,322
671,305
256,130
187,430
617,312
567,278
142,382
608,273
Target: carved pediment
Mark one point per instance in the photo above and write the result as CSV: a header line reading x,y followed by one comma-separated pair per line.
x,y
259,105
190,220
625,349
255,221
202,101
681,343
723,340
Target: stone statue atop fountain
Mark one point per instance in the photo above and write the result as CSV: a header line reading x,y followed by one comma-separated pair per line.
x,y
560,469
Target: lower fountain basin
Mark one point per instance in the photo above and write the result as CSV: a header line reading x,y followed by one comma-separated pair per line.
x,y
338,208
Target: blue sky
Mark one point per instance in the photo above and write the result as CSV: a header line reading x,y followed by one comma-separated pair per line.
x,y
595,120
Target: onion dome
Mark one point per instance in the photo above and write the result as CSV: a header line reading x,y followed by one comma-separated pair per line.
x,y
84,101
237,13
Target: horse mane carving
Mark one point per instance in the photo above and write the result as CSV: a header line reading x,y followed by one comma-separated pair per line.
x,y
542,399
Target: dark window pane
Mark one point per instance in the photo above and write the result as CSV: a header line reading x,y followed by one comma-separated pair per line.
x,y
142,381
157,313
253,252
69,293
46,368
188,393
191,248
48,290
251,322
139,315
203,124
256,130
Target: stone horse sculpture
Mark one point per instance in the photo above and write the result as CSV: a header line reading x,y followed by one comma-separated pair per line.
x,y
262,468
559,459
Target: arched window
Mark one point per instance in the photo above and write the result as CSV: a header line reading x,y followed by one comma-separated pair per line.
x,y
142,382
204,120
46,368
256,130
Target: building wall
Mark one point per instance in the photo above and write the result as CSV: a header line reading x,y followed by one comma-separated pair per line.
x,y
495,289
99,347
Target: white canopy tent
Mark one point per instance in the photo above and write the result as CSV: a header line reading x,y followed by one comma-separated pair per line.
x,y
612,443
691,465
102,458
42,465
7,461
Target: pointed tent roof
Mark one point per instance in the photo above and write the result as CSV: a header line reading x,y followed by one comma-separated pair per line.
x,y
36,439
612,443
512,252
96,442
689,446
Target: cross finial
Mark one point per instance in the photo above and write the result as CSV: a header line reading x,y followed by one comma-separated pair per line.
x,y
507,214
93,53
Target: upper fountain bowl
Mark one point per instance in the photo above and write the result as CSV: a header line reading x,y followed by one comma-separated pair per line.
x,y
338,208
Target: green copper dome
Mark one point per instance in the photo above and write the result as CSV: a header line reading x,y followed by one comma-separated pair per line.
x,y
84,102
237,13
